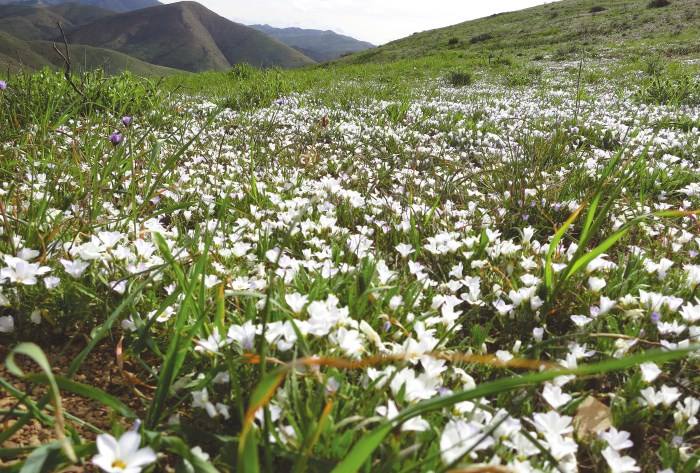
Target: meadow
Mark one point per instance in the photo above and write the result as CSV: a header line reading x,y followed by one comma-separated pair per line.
x,y
474,264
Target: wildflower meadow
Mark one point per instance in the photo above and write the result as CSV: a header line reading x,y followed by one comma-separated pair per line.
x,y
352,268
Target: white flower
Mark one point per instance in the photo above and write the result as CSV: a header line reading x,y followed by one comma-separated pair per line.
x,y
691,313
502,308
211,344
596,284
75,268
552,423
693,274
618,440
296,302
19,271
199,453
618,463
666,396
581,320
460,437
404,249
606,305
415,424
7,324
243,335
51,282
538,334
554,396
124,455
649,371
395,302
350,341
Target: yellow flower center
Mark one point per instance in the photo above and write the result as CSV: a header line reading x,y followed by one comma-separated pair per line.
x,y
119,464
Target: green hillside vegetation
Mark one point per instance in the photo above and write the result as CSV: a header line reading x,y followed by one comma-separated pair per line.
x,y
559,30
86,58
17,55
34,23
319,45
187,36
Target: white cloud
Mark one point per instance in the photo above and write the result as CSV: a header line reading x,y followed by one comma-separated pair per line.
x,y
378,21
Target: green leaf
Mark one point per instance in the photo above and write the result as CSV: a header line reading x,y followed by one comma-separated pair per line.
x,y
89,392
597,251
41,458
248,458
553,245
37,355
248,461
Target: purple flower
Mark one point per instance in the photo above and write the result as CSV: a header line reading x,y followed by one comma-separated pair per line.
x,y
116,138
126,121
3,85
655,317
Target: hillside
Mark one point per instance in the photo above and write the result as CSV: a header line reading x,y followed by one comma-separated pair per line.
x,y
36,23
16,55
319,45
112,5
187,36
559,30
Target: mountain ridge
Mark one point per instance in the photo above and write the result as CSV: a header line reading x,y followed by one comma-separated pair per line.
x,y
320,45
187,36
119,6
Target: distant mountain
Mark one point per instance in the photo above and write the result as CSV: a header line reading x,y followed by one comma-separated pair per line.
x,y
113,5
35,23
319,45
186,36
26,33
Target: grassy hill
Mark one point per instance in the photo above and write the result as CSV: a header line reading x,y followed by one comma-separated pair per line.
x,y
88,57
35,23
319,45
113,5
17,54
558,30
187,36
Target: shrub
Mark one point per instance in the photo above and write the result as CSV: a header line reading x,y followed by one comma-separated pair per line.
x,y
658,3
597,9
242,71
460,78
453,42
481,38
523,76
669,85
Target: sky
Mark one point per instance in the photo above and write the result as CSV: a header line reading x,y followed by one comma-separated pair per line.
x,y
376,21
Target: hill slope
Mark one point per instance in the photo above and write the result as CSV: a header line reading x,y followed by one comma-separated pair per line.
x,y
558,30
35,23
17,54
319,45
112,5
187,36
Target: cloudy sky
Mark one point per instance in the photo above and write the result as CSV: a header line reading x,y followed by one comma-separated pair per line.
x,y
377,21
